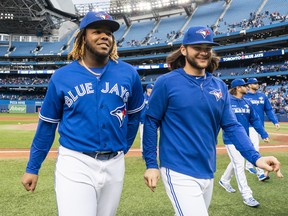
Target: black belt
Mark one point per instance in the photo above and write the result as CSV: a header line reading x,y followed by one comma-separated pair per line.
x,y
101,155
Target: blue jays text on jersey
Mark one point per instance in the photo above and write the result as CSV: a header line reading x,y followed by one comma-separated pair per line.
x,y
262,105
87,88
190,111
246,115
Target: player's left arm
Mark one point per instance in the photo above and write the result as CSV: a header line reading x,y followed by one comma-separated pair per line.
x,y
270,113
134,108
255,121
132,128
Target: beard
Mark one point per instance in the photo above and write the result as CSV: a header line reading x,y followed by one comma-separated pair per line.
x,y
195,65
101,57
254,88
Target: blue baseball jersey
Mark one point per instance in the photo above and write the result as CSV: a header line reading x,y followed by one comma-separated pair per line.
x,y
190,111
92,111
262,105
143,112
245,115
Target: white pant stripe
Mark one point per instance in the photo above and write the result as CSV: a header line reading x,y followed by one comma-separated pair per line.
x,y
173,193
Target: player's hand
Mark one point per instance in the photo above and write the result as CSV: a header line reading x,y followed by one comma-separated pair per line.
x,y
270,164
266,140
277,126
29,181
151,177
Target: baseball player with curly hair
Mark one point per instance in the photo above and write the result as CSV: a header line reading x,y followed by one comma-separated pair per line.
x,y
190,106
262,105
245,115
95,101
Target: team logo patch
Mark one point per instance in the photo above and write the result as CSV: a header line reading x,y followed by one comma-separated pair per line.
x,y
217,93
120,113
103,16
204,32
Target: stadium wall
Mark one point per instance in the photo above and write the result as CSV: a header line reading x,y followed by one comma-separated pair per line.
x,y
27,106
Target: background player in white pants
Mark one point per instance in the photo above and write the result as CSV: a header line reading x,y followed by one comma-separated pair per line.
x,y
190,105
96,100
245,115
146,95
261,105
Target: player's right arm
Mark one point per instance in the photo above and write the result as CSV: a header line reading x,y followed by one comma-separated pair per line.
x,y
40,147
29,181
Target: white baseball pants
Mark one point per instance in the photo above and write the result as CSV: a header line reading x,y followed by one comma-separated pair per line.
x,y
236,166
189,196
87,186
255,139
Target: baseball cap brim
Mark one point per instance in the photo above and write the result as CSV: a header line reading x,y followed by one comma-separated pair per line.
x,y
203,42
114,26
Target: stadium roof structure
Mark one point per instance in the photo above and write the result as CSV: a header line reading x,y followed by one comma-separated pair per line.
x,y
120,8
34,17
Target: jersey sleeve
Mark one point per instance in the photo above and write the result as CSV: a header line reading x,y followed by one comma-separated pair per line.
x,y
158,100
42,142
136,99
51,110
255,121
270,111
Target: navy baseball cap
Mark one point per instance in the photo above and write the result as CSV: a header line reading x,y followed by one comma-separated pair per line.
x,y
199,35
99,18
238,82
252,81
149,86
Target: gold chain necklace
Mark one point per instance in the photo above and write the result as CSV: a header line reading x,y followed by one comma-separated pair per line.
x,y
96,74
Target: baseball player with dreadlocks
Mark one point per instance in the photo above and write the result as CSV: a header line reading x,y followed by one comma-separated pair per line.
x,y
96,100
190,105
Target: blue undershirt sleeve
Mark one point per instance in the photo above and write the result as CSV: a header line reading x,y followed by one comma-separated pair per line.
x,y
42,142
132,128
257,124
270,111
150,138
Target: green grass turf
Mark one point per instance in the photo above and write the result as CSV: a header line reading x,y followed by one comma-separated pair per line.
x,y
18,138
136,198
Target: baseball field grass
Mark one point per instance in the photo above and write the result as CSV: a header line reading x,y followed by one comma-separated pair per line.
x,y
137,199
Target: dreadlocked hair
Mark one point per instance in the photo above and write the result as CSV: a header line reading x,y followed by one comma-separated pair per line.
x,y
175,60
78,50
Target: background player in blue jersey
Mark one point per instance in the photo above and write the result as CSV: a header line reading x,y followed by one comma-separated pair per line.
x,y
262,105
245,115
190,105
146,95
95,101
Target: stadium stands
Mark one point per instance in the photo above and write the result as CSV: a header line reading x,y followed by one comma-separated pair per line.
x,y
25,71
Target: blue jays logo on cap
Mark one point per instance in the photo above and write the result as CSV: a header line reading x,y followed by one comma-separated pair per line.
x,y
199,35
203,32
120,113
94,19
